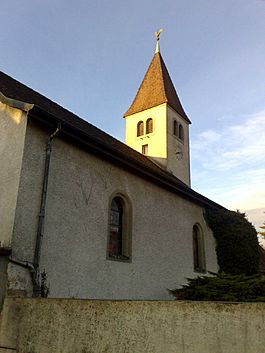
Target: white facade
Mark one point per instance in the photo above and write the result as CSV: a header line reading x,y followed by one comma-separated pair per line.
x,y
76,227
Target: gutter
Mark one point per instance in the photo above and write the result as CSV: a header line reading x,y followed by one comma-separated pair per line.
x,y
14,103
40,230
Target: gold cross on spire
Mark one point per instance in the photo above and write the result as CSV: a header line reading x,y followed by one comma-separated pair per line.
x,y
157,34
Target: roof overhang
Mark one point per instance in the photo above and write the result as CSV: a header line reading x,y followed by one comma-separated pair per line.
x,y
105,151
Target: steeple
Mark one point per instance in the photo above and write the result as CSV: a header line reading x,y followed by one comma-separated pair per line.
x,y
156,88
156,123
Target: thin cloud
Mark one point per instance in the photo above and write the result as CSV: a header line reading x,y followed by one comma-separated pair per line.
x,y
233,146
232,163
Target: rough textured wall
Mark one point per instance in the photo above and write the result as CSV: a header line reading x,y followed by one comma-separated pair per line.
x,y
83,326
27,210
12,135
3,278
76,227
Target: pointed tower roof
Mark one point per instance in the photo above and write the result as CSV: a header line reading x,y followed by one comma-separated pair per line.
x,y
156,88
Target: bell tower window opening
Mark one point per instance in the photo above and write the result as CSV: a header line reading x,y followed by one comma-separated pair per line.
x,y
175,128
149,126
140,128
181,132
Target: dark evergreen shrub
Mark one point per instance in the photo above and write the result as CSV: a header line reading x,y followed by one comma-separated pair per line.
x,y
237,242
223,287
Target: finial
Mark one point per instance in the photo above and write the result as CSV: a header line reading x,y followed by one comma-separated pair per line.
x,y
157,39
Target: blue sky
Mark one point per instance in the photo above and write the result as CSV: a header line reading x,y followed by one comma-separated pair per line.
x,y
91,56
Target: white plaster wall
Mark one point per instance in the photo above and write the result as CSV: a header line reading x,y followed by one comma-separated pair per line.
x,y
76,227
12,134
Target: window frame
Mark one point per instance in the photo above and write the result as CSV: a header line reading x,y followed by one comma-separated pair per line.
x,y
126,224
145,149
175,128
198,245
149,126
181,132
140,128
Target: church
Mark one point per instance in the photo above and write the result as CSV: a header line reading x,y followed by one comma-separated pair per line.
x,y
83,215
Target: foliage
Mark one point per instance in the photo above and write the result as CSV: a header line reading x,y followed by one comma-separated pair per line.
x,y
237,242
262,232
223,287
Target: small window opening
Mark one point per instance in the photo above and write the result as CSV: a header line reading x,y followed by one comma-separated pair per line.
x,y
149,126
181,132
140,128
145,149
175,128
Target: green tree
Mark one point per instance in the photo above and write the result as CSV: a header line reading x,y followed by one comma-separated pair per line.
x,y
224,287
237,245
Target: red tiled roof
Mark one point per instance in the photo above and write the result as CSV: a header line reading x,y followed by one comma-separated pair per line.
x,y
155,89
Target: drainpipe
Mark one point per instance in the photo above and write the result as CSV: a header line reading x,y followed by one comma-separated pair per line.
x,y
40,230
22,263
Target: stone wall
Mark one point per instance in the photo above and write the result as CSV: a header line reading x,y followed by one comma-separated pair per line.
x,y
85,326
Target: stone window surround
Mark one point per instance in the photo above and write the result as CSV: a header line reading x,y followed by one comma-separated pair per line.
x,y
144,135
126,228
178,124
201,268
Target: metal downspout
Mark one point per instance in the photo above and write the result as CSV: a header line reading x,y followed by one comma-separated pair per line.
x,y
40,230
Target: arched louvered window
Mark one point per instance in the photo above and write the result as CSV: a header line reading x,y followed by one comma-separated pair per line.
x,y
149,125
181,132
198,249
140,128
175,128
119,240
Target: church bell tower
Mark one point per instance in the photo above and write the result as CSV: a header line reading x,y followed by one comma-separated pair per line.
x,y
156,124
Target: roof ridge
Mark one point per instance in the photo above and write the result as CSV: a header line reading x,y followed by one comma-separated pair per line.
x,y
139,87
28,88
162,76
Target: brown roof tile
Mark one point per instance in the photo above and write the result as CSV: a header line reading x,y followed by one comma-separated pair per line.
x,y
155,89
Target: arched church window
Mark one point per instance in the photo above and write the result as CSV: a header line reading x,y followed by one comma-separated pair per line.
x,y
181,132
149,125
140,128
119,240
198,249
175,128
